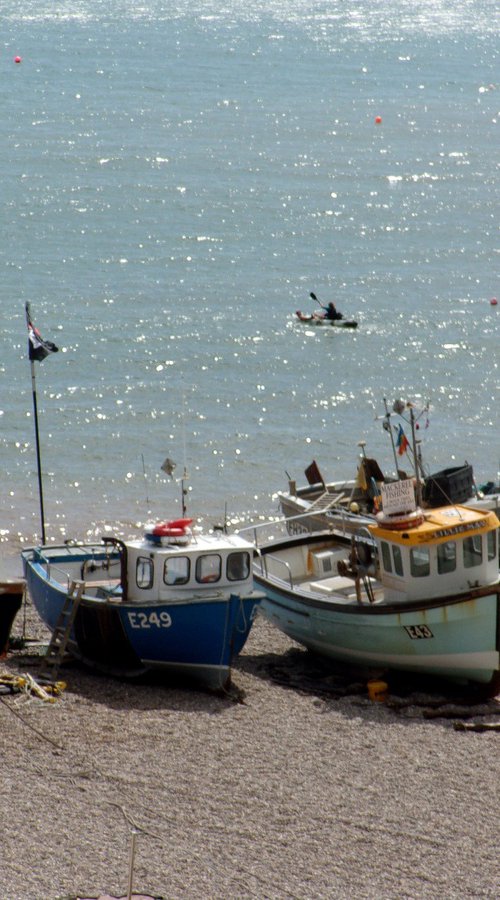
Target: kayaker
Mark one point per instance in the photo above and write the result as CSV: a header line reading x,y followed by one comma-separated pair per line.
x,y
331,311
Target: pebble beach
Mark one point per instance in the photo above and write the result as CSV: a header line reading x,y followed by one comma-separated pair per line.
x,y
280,789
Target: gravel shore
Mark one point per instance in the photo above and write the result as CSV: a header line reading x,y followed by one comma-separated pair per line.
x,y
276,791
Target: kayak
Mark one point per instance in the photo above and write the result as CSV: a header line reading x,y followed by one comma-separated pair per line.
x,y
318,319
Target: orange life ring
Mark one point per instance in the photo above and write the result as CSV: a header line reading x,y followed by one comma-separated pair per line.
x,y
174,528
180,523
400,522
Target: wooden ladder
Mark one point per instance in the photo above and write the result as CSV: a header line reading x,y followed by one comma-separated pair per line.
x,y
60,635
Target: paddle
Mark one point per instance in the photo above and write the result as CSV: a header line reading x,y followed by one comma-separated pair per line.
x,y
314,297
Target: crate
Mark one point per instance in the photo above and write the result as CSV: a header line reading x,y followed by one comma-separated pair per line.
x,y
455,485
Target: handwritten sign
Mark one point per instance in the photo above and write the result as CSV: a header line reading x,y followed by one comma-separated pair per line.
x,y
398,496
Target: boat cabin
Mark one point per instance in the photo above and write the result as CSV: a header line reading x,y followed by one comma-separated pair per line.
x,y
436,553
188,563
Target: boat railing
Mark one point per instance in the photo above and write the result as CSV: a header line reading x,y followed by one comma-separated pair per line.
x,y
270,530
61,574
295,525
55,570
262,562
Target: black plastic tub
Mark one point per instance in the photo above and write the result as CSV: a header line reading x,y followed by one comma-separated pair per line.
x,y
455,485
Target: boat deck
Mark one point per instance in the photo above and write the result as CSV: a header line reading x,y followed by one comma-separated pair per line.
x,y
341,588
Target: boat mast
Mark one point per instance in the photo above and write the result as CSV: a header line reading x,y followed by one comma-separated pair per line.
x,y
417,461
184,492
387,426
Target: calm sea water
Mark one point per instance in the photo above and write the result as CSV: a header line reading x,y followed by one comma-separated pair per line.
x,y
176,178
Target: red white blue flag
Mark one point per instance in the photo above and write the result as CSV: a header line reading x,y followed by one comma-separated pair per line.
x,y
38,349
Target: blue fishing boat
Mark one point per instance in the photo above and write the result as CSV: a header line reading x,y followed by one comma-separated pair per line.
x,y
177,600
415,590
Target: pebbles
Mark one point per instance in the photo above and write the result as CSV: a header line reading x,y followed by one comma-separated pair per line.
x,y
282,789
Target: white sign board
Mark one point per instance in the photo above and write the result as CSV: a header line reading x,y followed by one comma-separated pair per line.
x,y
398,496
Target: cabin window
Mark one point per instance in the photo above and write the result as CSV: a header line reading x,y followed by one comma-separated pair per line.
x,y
447,557
208,568
238,566
176,570
398,560
386,556
492,544
144,571
473,554
420,565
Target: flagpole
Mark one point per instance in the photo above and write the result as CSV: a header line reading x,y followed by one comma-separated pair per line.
x,y
418,485
388,428
37,434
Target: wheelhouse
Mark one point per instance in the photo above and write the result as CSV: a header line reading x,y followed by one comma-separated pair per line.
x,y
445,551
222,562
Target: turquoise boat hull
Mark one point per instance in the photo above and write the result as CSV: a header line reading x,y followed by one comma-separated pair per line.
x,y
458,642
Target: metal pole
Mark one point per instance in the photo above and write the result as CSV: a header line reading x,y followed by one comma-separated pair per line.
x,y
389,429
37,434
145,479
131,866
38,459
418,485
184,492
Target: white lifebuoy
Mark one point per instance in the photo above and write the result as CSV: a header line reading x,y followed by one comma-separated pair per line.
x,y
401,521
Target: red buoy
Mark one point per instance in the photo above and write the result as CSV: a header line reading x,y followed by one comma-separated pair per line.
x,y
493,301
378,120
17,59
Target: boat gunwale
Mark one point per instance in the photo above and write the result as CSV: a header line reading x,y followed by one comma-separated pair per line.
x,y
186,595
115,600
316,600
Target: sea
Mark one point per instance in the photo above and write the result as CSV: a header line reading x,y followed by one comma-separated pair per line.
x,y
177,179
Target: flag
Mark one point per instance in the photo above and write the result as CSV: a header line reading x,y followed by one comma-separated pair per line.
x,y
168,466
38,349
361,477
402,442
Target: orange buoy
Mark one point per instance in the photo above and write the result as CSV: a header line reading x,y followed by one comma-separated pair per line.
x,y
377,690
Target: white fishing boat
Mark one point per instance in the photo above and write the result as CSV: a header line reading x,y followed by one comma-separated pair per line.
x,y
347,504
416,590
344,505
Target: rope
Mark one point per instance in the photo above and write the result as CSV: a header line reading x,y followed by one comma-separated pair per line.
x,y
31,727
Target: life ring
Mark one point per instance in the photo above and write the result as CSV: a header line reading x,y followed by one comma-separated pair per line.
x,y
402,521
173,528
180,523
163,531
